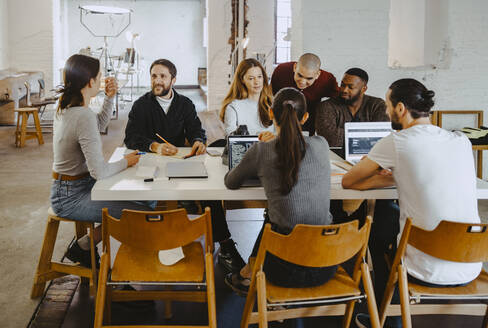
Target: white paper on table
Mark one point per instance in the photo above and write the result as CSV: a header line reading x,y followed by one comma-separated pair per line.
x,y
337,172
146,171
182,152
171,256
342,166
118,154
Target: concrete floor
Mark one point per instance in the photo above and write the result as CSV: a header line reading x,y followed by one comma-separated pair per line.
x,y
24,199
25,175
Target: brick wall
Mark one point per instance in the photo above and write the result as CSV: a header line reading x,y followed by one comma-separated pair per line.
x,y
355,33
4,60
30,29
261,39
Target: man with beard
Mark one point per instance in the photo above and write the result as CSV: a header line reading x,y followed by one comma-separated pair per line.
x,y
306,76
173,116
165,112
352,105
433,170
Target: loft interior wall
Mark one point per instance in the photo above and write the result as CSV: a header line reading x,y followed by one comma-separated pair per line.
x,y
260,31
4,53
30,36
355,34
171,29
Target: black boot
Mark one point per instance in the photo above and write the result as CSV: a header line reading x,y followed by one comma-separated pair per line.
x,y
76,254
229,256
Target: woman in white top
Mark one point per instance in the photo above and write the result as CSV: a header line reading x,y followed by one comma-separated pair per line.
x,y
77,147
249,100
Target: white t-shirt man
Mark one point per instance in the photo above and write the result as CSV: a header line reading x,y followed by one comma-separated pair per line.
x,y
434,173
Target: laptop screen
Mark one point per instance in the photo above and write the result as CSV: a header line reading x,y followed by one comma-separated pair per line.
x,y
360,137
238,145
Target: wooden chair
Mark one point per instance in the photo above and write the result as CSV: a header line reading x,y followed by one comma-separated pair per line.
x,y
325,246
468,243
142,234
21,133
47,269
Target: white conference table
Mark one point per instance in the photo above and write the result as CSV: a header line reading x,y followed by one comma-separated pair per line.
x,y
126,185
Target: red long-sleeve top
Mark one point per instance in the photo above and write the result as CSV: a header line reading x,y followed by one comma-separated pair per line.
x,y
325,86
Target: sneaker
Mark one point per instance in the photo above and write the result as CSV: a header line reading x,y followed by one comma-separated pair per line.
x,y
75,253
237,283
190,206
362,320
229,257
135,305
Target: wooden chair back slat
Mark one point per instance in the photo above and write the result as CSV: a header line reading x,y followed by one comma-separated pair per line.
x,y
466,242
317,246
157,230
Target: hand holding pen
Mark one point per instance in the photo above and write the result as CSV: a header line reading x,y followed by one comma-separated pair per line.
x,y
164,148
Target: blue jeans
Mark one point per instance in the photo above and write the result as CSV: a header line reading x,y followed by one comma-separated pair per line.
x,y
72,199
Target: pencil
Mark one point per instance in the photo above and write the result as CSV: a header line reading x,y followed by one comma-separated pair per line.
x,y
163,139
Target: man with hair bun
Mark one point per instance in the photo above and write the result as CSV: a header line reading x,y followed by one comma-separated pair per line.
x,y
433,170
352,105
306,76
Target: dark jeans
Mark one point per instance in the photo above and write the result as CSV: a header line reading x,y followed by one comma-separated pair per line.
x,y
282,273
220,229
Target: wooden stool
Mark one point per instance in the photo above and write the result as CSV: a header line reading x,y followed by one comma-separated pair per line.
x,y
48,269
21,133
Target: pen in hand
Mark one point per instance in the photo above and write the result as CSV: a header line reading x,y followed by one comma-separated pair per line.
x,y
170,149
162,139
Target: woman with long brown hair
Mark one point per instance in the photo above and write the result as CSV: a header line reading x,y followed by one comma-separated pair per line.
x,y
77,147
295,173
248,100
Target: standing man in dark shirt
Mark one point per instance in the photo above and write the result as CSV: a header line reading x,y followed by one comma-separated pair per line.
x,y
306,76
165,112
173,116
352,105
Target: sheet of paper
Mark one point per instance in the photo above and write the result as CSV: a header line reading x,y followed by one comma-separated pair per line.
x,y
342,165
336,178
146,171
182,152
118,154
171,256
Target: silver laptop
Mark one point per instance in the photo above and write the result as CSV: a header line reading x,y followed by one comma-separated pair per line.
x,y
360,137
186,169
238,146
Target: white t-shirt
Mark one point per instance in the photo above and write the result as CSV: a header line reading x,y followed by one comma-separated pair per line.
x,y
434,173
165,103
247,114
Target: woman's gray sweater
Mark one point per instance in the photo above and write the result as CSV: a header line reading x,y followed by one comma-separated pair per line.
x,y
308,201
77,145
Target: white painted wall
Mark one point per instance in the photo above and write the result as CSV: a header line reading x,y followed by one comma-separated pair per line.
x,y
417,33
406,33
260,31
4,51
219,13
355,33
30,36
171,29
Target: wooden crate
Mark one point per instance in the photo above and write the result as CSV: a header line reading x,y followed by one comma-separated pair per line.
x,y
7,114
